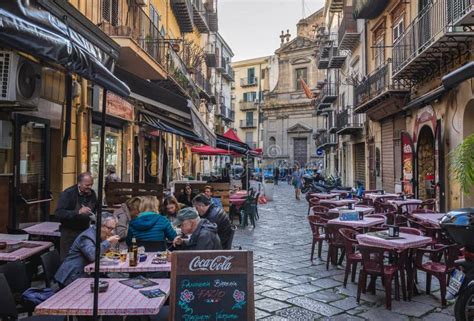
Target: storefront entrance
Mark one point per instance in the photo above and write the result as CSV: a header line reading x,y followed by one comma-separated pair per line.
x,y
426,163
32,194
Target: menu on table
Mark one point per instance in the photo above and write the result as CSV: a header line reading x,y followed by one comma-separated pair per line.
x,y
212,285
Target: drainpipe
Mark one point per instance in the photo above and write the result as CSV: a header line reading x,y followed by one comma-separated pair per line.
x,y
80,124
67,128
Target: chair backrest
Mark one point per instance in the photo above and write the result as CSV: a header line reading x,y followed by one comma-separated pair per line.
x,y
231,238
50,262
423,211
410,230
429,204
7,301
451,254
372,258
349,236
387,207
320,209
378,206
316,222
376,215
408,207
17,276
333,235
314,201
153,246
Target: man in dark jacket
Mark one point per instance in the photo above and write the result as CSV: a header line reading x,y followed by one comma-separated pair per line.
x,y
215,214
82,250
203,233
75,206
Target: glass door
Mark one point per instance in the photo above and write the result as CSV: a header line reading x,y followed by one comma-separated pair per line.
x,y
32,196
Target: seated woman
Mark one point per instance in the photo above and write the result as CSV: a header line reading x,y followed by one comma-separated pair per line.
x,y
82,251
126,212
170,208
187,196
149,225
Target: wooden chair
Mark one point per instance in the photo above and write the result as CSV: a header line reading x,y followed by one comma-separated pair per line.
x,y
317,224
373,265
408,208
352,257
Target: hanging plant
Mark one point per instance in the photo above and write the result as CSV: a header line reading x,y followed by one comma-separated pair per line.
x,y
462,163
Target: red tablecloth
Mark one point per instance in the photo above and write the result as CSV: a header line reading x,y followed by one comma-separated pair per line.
x,y
119,299
24,252
125,267
366,222
432,218
407,241
238,202
44,229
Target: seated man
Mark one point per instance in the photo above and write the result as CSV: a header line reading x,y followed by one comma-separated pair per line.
x,y
215,215
203,233
82,251
208,191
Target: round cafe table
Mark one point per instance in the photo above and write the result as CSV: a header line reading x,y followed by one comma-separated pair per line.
x,y
365,210
325,195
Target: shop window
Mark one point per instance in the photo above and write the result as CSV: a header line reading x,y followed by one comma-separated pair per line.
x,y
301,73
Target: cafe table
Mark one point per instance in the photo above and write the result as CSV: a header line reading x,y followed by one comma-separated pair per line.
x,y
26,249
325,195
44,229
124,267
238,194
358,209
413,203
119,300
376,196
341,202
364,223
432,218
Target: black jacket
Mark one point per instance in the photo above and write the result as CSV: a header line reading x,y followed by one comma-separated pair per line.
x,y
69,204
203,238
216,214
184,200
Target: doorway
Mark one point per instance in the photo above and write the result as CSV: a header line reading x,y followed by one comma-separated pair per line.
x,y
300,152
31,196
425,163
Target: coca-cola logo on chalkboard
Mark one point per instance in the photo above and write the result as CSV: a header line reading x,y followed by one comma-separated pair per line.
x,y
219,263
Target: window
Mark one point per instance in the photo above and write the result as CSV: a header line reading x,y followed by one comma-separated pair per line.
x,y
251,75
110,11
154,16
249,117
250,96
272,141
397,29
262,76
301,73
379,52
249,138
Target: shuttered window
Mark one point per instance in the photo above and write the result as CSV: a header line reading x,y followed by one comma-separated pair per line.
x,y
359,158
388,174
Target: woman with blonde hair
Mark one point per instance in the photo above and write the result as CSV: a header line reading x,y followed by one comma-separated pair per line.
x,y
170,208
149,225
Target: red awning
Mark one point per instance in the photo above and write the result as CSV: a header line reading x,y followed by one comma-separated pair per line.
x,y
211,151
232,135
256,152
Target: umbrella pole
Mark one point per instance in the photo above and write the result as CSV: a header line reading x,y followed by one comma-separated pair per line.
x,y
99,207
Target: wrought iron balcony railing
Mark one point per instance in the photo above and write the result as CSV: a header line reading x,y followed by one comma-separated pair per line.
x,y
348,36
248,81
248,123
349,122
247,105
325,139
440,19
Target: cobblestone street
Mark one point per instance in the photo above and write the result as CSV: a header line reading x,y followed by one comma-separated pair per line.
x,y
289,287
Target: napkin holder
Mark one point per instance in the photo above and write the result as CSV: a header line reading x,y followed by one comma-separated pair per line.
x,y
351,206
142,257
393,231
349,216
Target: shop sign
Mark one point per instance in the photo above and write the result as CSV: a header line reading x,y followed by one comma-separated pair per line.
x,y
119,107
407,163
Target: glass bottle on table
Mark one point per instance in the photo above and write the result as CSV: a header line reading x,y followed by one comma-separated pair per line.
x,y
133,253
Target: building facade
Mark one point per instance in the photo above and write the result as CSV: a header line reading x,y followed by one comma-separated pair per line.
x,y
289,118
250,83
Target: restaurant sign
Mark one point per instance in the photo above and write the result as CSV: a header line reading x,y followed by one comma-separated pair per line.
x,y
212,285
407,163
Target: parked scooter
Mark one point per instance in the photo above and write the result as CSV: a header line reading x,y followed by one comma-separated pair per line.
x,y
459,225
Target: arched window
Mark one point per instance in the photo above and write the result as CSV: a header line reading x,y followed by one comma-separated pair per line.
x,y
272,140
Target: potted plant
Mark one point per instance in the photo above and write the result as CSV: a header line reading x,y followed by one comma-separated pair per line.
x,y
462,164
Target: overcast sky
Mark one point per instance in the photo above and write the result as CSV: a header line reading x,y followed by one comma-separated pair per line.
x,y
252,27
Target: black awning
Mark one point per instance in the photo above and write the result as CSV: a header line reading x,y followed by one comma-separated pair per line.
x,y
162,125
426,98
226,143
457,76
369,9
27,27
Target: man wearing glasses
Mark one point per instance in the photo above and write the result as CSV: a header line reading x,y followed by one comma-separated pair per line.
x,y
82,251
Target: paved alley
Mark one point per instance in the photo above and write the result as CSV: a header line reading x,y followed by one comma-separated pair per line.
x,y
288,286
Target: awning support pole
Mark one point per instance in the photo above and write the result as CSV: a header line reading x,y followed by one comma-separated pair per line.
x,y
160,158
98,222
247,173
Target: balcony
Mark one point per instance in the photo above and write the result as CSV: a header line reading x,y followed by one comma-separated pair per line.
x,y
337,58
226,113
331,122
142,46
202,83
248,81
350,123
438,36
379,95
323,54
326,140
200,16
248,123
183,11
228,73
348,37
247,105
335,5
328,93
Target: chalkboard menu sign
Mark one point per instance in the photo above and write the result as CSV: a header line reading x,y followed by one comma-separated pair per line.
x,y
212,285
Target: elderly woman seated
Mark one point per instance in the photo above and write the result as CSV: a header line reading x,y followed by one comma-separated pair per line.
x,y
82,251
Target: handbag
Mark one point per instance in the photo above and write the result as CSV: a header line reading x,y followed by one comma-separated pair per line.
x,y
36,296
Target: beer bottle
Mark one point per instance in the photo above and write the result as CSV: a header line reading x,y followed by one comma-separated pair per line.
x,y
133,253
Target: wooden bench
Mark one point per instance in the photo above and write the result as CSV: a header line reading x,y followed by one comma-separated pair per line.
x,y
221,190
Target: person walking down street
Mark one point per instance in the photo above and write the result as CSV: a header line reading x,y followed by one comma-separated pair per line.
x,y
82,250
124,214
276,175
75,207
187,196
214,214
297,181
203,233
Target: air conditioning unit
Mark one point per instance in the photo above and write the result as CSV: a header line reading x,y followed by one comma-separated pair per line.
x,y
141,3
20,79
